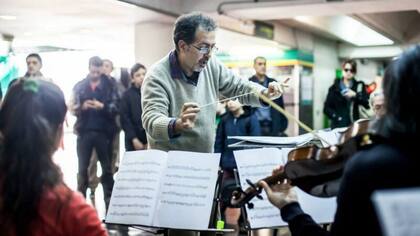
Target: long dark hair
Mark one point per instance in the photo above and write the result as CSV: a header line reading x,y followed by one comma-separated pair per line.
x,y
401,90
31,119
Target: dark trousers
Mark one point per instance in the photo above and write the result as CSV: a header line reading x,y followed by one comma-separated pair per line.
x,y
86,142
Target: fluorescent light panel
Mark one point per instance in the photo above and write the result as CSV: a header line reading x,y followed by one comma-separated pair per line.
x,y
347,29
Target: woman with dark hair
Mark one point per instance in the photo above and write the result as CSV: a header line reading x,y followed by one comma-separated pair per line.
x,y
345,97
33,198
391,164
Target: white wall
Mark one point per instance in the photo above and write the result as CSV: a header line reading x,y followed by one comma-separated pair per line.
x,y
368,70
326,62
153,40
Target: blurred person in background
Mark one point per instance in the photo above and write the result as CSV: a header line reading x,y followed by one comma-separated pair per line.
x,y
130,111
95,104
34,65
346,97
272,122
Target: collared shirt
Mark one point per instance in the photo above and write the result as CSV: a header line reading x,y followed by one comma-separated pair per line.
x,y
176,70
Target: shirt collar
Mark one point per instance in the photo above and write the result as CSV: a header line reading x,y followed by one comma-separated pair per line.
x,y
176,70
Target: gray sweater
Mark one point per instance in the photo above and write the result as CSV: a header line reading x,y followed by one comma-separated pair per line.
x,y
163,97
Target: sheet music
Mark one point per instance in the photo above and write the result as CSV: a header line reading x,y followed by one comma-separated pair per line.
x,y
136,187
331,136
187,190
293,141
398,211
256,164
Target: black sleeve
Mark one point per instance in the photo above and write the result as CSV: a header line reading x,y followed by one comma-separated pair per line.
x,y
362,97
220,138
301,224
329,108
111,105
282,120
126,124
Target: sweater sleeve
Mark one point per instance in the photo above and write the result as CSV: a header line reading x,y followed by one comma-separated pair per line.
x,y
155,106
231,85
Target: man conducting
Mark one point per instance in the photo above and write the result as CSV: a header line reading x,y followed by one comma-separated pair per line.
x,y
187,78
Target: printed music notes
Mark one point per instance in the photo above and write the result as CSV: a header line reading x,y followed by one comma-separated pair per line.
x,y
168,190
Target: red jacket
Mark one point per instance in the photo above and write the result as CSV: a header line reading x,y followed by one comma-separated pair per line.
x,y
75,217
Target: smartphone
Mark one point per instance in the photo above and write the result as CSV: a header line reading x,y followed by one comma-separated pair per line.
x,y
344,91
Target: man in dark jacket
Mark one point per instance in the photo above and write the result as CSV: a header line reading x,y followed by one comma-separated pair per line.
x,y
345,97
95,104
271,121
135,135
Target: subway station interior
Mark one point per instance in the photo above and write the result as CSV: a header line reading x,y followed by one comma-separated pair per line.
x,y
314,54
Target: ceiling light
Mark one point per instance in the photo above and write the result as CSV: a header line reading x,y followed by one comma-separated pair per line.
x,y
7,17
347,29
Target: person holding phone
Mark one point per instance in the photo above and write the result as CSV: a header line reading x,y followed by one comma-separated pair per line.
x,y
345,97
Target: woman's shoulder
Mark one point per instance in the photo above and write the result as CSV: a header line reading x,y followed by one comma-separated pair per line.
x,y
75,215
378,160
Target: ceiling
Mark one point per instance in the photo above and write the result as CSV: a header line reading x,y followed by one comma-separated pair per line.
x,y
397,20
77,24
108,24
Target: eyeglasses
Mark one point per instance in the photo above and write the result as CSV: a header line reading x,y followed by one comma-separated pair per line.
x,y
348,70
205,50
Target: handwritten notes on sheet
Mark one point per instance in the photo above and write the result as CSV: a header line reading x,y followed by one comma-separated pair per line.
x,y
398,211
256,164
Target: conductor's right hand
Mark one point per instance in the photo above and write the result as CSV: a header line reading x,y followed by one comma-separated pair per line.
x,y
187,117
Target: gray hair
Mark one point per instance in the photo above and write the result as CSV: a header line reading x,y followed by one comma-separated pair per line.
x,y
186,26
375,95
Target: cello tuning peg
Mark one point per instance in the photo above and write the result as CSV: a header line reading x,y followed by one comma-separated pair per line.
x,y
250,205
259,197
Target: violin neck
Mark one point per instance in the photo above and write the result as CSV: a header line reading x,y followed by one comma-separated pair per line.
x,y
274,179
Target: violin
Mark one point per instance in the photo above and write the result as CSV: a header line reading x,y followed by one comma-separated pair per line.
x,y
317,171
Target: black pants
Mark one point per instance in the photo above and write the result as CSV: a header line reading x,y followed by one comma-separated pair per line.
x,y
85,144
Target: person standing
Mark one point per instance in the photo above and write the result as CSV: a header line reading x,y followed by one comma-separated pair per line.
x,y
189,77
345,97
130,111
95,105
34,66
272,122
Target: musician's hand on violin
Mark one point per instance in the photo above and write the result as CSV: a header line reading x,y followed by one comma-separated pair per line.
x,y
280,194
